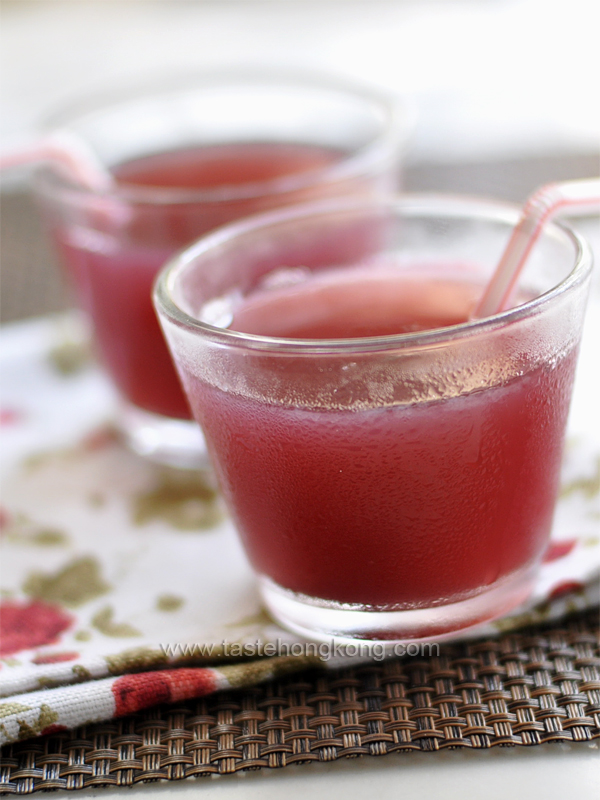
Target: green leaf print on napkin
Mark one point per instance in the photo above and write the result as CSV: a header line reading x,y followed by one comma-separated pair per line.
x,y
169,602
70,357
589,486
75,584
22,530
104,622
10,708
182,498
45,718
259,619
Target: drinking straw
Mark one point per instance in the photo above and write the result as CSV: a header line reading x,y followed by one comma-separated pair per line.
x,y
63,149
574,197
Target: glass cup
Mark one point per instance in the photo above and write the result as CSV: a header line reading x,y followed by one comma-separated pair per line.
x,y
188,158
386,486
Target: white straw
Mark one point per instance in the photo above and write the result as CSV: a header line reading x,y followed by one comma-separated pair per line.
x,y
65,150
572,197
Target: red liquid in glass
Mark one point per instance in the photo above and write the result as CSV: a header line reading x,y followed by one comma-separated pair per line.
x,y
404,506
114,270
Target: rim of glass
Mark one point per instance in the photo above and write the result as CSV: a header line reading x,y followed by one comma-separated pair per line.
x,y
416,205
398,120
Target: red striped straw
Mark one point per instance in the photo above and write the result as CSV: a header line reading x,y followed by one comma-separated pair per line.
x,y
573,197
66,151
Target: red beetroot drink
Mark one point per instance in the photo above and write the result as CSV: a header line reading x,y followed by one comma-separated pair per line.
x,y
391,467
128,336
184,161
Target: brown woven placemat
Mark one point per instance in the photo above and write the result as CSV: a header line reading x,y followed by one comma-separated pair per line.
x,y
540,685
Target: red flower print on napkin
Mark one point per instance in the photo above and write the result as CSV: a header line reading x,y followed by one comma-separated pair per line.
x,y
10,416
54,658
566,587
559,549
27,625
135,692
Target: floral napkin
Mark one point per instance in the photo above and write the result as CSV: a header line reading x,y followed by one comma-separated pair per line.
x,y
123,583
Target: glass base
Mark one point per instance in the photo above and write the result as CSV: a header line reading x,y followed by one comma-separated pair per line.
x,y
173,442
323,620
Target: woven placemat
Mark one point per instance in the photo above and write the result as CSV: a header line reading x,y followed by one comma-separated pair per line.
x,y
540,685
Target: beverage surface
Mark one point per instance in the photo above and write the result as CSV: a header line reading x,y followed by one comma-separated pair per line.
x,y
220,165
114,272
400,506
358,302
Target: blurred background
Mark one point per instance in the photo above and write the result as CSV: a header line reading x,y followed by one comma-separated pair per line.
x,y
505,90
